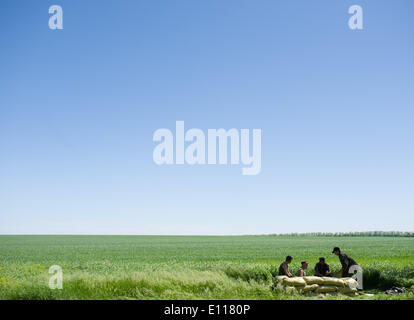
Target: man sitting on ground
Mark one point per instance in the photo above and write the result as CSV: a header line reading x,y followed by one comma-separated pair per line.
x,y
284,267
301,272
322,268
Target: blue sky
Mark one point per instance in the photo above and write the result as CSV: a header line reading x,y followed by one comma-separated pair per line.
x,y
79,106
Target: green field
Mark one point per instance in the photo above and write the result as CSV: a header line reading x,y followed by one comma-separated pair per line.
x,y
190,267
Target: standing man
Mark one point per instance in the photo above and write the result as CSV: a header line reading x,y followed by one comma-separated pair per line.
x,y
346,262
284,267
322,269
301,272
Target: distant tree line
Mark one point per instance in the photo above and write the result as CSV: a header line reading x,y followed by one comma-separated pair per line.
x,y
352,234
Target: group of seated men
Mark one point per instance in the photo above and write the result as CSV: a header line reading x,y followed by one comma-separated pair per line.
x,y
322,269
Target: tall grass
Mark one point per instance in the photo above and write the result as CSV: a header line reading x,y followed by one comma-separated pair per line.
x,y
128,267
229,282
188,284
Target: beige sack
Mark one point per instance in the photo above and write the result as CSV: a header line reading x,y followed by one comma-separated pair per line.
x,y
313,280
326,289
347,290
295,281
350,283
328,281
310,288
281,278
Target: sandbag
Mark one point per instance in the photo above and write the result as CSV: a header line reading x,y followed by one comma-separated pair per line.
x,y
281,278
313,280
295,281
350,282
326,289
317,285
310,288
347,290
328,281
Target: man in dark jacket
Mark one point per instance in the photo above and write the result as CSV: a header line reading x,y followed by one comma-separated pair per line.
x,y
346,262
322,268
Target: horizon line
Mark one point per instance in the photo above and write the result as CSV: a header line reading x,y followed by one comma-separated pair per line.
x,y
310,233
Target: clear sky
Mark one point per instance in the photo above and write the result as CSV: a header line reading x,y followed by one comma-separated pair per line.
x,y
79,106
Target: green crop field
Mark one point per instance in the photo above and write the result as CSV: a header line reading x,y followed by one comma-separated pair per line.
x,y
191,267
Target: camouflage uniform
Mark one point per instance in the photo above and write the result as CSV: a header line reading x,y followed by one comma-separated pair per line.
x,y
346,263
282,270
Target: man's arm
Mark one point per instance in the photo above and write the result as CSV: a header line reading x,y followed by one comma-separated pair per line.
x,y
345,266
344,263
287,271
329,271
317,273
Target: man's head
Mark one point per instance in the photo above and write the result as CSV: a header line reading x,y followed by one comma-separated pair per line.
x,y
336,251
289,259
322,260
304,264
